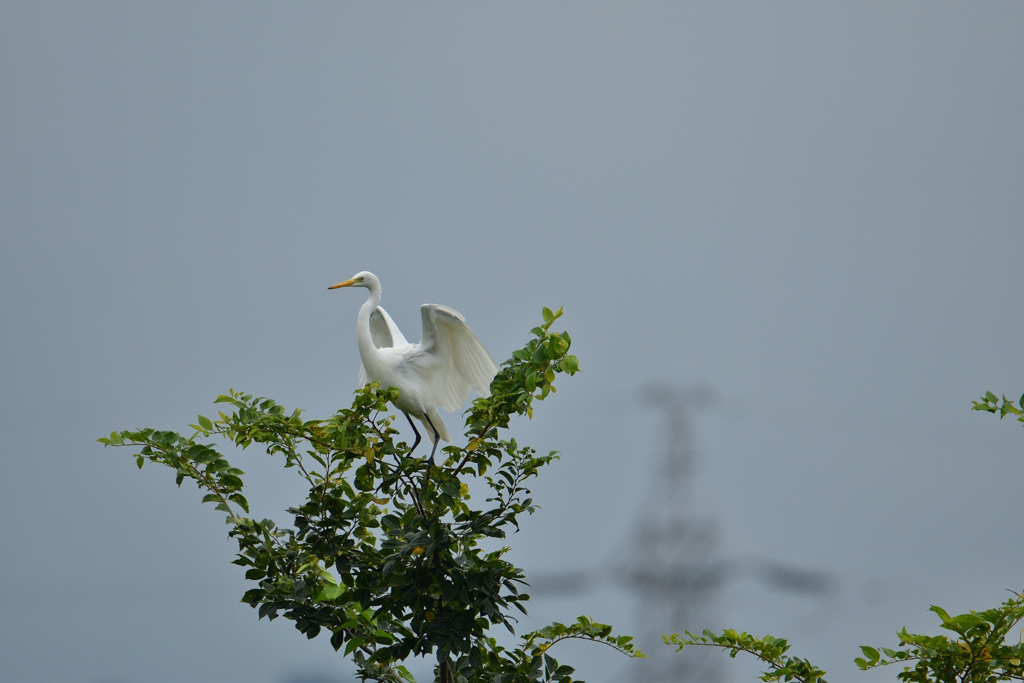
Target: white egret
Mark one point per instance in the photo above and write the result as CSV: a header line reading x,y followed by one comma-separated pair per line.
x,y
438,371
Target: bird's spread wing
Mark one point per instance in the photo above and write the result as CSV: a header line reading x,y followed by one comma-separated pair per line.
x,y
470,366
384,332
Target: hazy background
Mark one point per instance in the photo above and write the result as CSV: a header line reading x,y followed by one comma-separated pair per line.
x,y
813,208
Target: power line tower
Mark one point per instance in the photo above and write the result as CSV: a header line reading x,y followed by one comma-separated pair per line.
x,y
672,562
674,566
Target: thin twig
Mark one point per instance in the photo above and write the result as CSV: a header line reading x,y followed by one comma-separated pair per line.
x,y
479,439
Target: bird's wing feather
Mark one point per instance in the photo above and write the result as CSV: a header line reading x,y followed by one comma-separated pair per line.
x,y
446,334
383,330
384,333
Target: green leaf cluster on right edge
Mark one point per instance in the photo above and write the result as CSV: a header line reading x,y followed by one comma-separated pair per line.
x,y
990,404
386,554
978,653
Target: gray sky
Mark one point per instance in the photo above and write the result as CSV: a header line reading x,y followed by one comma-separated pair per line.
x,y
816,209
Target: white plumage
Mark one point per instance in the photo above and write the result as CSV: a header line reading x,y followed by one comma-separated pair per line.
x,y
440,370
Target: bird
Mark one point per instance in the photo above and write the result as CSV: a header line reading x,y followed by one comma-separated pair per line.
x,y
439,370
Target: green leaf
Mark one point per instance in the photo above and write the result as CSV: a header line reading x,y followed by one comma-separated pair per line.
x,y
548,315
352,645
963,622
205,423
550,665
870,652
329,592
115,439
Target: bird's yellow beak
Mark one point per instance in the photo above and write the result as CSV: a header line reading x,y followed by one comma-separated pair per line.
x,y
346,283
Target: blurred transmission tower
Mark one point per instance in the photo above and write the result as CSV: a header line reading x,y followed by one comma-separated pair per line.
x,y
673,565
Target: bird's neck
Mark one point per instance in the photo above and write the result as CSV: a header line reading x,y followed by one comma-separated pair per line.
x,y
367,350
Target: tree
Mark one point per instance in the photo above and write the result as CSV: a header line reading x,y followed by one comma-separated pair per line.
x,y
387,554
977,653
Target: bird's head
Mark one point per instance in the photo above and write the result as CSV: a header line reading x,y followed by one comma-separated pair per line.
x,y
364,279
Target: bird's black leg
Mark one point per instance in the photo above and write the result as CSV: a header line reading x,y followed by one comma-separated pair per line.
x,y
437,437
415,431
430,460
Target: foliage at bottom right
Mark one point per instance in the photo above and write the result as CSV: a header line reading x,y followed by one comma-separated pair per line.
x,y
976,652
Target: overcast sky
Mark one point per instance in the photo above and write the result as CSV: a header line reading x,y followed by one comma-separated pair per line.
x,y
815,209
